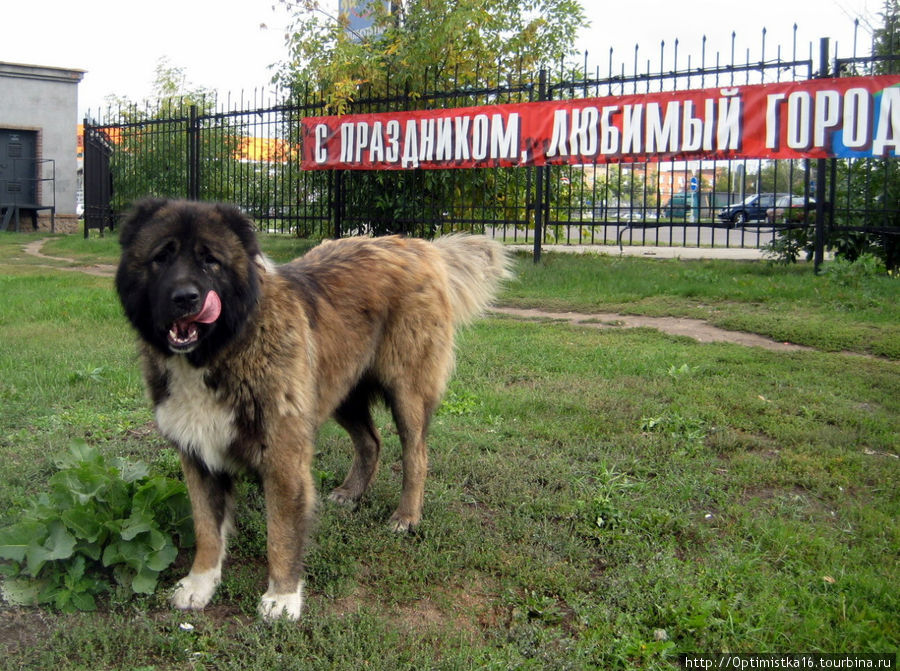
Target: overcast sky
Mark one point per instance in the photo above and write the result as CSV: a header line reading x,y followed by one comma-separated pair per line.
x,y
229,46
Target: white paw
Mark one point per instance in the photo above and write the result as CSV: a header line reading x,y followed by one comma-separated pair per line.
x,y
401,525
342,497
195,590
273,606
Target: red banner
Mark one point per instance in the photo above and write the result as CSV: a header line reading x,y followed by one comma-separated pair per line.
x,y
823,118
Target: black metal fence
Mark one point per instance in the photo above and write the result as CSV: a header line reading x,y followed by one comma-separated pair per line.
x,y
246,151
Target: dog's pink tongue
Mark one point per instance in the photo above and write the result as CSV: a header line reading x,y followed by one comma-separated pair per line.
x,y
212,308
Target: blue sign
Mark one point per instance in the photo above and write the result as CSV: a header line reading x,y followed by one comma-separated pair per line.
x,y
695,184
361,22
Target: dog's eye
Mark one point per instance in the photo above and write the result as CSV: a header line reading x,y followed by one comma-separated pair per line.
x,y
162,256
210,261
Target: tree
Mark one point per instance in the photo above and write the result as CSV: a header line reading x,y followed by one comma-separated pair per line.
x,y
867,190
885,36
783,177
872,185
887,44
418,47
151,142
422,42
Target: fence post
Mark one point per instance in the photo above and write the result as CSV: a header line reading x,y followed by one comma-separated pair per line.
x,y
539,183
819,248
194,155
87,167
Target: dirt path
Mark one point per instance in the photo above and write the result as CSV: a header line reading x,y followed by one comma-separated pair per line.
x,y
697,329
100,270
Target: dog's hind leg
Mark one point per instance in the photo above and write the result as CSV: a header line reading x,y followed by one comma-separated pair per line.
x,y
211,500
355,416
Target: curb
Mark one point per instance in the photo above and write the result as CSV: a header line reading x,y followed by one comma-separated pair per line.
x,y
731,253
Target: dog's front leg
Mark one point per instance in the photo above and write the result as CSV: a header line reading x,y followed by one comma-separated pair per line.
x,y
290,500
211,499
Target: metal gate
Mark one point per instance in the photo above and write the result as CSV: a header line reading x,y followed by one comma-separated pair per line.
x,y
98,149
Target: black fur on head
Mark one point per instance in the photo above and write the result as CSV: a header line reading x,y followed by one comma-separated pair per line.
x,y
175,253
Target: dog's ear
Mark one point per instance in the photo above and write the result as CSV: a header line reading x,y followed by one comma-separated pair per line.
x,y
242,225
140,214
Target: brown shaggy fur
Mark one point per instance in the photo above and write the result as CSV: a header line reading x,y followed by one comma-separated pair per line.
x,y
325,335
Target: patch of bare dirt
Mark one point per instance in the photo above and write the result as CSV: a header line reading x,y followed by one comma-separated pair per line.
x,y
21,628
465,609
697,329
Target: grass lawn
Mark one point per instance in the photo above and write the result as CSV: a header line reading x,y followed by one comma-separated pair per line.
x,y
596,498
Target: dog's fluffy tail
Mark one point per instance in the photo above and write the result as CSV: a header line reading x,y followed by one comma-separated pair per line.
x,y
476,266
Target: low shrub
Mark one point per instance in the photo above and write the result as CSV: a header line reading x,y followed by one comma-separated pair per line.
x,y
104,526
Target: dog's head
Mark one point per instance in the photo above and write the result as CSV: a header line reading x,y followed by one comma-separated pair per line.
x,y
188,277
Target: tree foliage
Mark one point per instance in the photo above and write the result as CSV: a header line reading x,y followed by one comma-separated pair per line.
x,y
885,36
420,41
152,143
873,184
419,47
863,187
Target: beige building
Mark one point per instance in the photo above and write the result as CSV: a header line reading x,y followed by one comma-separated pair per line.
x,y
38,167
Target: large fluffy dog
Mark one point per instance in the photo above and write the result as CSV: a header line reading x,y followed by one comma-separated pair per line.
x,y
244,361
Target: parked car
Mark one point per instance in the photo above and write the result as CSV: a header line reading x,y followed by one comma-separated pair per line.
x,y
790,209
682,205
635,213
752,208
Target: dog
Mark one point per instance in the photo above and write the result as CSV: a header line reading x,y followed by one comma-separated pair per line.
x,y
244,360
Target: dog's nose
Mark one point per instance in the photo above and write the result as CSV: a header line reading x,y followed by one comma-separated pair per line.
x,y
186,297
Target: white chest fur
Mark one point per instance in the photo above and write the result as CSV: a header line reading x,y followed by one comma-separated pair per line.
x,y
194,417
